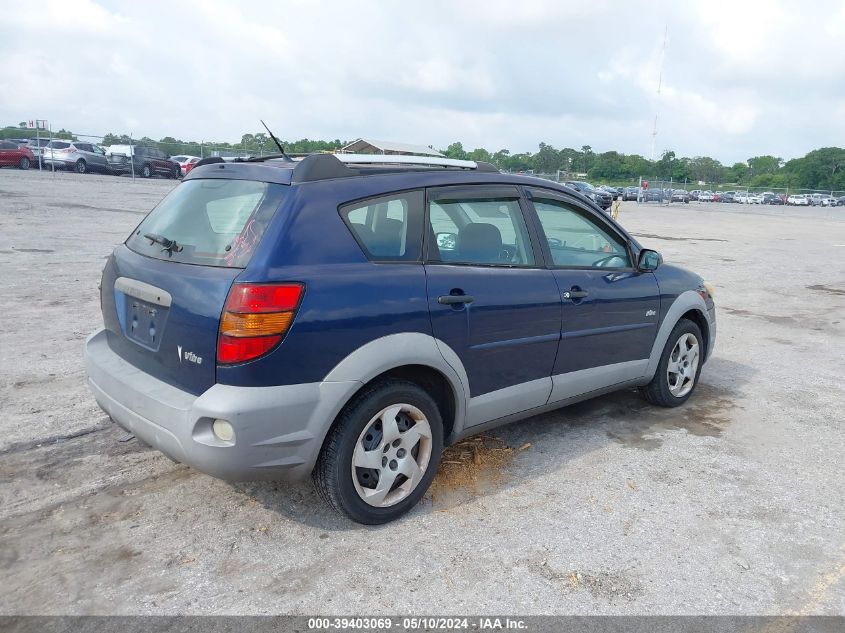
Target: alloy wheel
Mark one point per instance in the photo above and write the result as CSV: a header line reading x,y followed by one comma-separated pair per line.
x,y
683,365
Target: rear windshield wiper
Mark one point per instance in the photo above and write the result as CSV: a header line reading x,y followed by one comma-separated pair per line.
x,y
168,246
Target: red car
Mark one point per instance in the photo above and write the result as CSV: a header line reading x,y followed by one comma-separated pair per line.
x,y
12,155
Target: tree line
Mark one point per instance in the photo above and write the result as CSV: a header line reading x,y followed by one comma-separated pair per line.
x,y
822,168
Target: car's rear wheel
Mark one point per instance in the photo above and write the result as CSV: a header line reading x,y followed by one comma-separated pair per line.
x,y
680,363
146,171
381,454
81,167
24,163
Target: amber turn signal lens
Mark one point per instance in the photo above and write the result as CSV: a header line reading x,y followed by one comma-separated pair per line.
x,y
260,324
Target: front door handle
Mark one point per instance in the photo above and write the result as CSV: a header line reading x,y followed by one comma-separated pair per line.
x,y
575,293
448,300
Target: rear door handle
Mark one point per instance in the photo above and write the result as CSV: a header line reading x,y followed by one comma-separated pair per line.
x,y
575,294
448,300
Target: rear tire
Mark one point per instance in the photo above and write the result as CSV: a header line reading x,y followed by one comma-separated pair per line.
x,y
679,368
146,171
24,163
362,436
81,167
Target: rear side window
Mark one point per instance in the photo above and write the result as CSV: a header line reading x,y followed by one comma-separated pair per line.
x,y
214,222
484,231
388,228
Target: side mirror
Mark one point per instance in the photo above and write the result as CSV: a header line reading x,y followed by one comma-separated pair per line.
x,y
649,260
447,241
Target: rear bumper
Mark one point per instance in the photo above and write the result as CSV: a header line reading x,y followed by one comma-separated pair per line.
x,y
278,430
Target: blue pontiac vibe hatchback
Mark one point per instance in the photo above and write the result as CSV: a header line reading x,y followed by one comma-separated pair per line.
x,y
346,316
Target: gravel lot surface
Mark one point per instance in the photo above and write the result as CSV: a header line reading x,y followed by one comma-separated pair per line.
x,y
733,503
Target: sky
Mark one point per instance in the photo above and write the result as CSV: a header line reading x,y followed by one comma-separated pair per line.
x,y
739,78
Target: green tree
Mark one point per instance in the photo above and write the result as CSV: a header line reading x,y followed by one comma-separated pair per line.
x,y
764,165
820,169
456,150
547,160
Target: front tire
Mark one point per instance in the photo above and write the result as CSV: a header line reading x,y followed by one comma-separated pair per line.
x,y
680,365
81,167
382,453
146,171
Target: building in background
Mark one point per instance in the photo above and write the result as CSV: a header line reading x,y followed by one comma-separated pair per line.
x,y
372,146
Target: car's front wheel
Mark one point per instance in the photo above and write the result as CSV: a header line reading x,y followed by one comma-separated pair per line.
x,y
382,453
678,370
146,171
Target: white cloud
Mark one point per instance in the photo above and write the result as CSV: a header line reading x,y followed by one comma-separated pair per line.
x,y
740,78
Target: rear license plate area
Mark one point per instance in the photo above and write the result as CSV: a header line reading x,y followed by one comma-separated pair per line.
x,y
145,322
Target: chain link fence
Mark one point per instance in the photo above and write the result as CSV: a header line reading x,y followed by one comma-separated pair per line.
x,y
64,151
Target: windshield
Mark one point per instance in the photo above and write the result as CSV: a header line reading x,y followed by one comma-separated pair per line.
x,y
209,222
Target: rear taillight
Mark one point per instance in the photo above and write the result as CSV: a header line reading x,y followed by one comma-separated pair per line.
x,y
255,319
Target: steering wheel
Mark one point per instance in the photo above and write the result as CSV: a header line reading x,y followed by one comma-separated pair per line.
x,y
608,262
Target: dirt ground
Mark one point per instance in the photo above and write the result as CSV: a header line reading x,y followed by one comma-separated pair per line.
x,y
730,504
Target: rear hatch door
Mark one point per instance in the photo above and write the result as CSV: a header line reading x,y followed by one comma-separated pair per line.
x,y
163,291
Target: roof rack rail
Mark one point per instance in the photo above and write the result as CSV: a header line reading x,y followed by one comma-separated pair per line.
x,y
325,166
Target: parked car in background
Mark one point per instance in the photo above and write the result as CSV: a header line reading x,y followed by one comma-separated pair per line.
x,y
727,196
705,196
146,161
717,196
601,198
770,197
611,190
755,198
840,202
631,193
798,200
680,195
821,200
694,194
186,163
36,146
15,155
654,195
741,197
79,156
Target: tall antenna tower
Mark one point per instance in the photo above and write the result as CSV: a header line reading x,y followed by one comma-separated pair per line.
x,y
659,87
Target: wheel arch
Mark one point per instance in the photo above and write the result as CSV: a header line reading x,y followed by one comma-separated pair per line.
x,y
415,357
688,305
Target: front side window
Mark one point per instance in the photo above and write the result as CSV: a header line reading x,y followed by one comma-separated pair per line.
x,y
577,240
213,222
482,231
388,228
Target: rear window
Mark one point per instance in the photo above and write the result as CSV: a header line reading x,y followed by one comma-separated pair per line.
x,y
58,145
214,222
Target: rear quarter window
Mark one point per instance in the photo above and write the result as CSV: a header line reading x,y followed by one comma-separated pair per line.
x,y
388,228
214,222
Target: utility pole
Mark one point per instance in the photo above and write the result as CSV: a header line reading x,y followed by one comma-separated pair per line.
x,y
659,87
